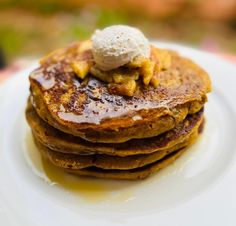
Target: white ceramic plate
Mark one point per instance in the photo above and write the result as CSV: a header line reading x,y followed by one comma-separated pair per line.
x,y
198,189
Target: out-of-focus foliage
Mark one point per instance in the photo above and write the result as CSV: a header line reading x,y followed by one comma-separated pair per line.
x,y
29,28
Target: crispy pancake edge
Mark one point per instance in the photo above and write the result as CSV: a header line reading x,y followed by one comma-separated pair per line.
x,y
140,173
72,161
58,141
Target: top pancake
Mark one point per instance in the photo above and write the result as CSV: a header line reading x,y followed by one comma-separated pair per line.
x,y
86,108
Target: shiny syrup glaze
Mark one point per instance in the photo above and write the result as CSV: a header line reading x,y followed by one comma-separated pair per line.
x,y
89,101
152,143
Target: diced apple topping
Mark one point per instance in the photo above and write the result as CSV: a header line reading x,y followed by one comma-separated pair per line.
x,y
81,68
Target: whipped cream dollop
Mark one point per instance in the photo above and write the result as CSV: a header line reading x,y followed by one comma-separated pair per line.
x,y
118,45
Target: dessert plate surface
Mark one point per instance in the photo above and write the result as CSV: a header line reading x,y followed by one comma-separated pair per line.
x,y
198,189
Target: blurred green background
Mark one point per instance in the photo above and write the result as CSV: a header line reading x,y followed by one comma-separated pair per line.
x,y
32,28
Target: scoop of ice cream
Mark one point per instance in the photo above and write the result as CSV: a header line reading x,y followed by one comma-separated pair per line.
x,y
118,45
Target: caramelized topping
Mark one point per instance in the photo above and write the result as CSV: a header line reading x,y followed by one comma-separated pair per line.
x,y
121,81
125,89
81,68
163,58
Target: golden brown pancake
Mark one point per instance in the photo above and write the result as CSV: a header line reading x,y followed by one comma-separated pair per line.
x,y
61,142
75,161
87,109
133,174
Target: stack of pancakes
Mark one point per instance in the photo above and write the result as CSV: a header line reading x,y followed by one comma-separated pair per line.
x,y
81,127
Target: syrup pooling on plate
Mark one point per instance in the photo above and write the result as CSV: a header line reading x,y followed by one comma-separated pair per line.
x,y
89,189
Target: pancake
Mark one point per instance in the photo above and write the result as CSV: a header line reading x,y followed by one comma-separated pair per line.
x,y
133,174
87,109
73,161
61,142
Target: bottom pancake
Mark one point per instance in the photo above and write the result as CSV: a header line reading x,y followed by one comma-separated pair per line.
x,y
133,174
